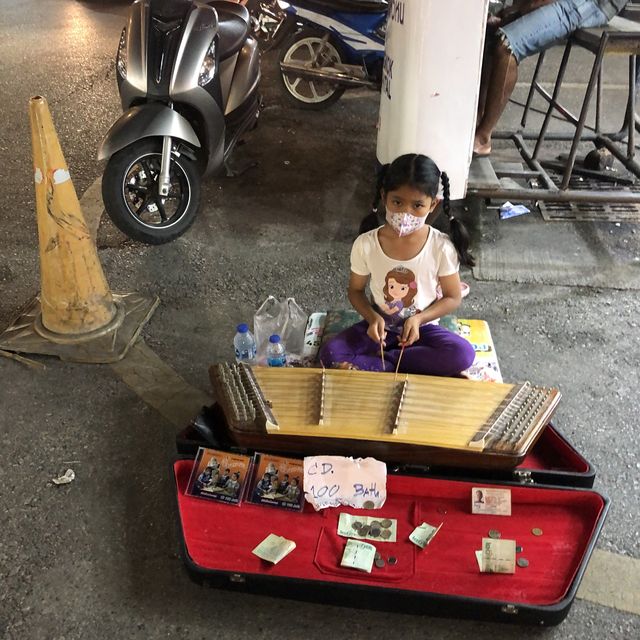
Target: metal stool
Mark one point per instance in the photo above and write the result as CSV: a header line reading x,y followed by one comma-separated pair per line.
x,y
621,37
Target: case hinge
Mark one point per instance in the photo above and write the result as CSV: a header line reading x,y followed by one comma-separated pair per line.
x,y
523,476
509,608
237,577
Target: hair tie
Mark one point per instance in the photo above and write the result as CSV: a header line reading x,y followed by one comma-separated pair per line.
x,y
413,285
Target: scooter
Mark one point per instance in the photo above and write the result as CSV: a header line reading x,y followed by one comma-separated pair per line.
x,y
188,76
269,22
328,46
331,45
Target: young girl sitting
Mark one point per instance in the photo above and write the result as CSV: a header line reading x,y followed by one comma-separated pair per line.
x,y
403,262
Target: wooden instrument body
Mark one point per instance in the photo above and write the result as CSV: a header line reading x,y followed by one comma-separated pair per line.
x,y
418,420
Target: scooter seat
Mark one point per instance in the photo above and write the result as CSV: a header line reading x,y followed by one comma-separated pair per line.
x,y
233,27
349,6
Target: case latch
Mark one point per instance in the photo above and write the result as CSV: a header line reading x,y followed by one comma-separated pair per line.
x,y
509,608
523,476
237,577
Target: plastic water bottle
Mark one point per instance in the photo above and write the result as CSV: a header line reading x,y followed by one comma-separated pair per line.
x,y
245,345
276,355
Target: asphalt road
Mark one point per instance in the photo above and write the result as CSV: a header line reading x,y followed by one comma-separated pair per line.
x,y
98,558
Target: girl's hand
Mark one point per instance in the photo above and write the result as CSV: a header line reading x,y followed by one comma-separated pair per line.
x,y
376,329
411,331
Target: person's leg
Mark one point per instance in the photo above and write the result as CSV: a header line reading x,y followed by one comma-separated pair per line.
x,y
354,347
438,352
526,36
487,66
502,80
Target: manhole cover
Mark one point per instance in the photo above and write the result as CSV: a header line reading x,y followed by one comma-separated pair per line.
x,y
591,211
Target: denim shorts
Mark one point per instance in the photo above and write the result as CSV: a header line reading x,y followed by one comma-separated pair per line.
x,y
544,27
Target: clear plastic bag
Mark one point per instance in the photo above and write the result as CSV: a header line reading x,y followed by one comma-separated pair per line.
x,y
285,318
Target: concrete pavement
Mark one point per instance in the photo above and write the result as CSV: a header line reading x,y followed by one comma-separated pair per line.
x,y
97,558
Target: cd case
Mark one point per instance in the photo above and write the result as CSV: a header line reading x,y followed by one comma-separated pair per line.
x,y
277,482
219,475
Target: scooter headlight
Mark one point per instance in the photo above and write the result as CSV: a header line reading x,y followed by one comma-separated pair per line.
x,y
208,68
121,58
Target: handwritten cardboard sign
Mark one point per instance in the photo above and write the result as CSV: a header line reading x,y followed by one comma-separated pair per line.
x,y
331,481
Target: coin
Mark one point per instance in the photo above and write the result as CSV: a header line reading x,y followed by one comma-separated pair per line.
x,y
379,562
494,533
385,524
375,523
393,560
536,531
518,549
377,556
374,532
523,562
364,530
356,525
369,504
385,534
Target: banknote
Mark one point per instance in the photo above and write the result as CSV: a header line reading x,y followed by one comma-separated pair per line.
x,y
498,556
424,534
273,548
358,555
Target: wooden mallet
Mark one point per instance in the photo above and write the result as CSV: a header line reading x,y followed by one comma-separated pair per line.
x,y
404,344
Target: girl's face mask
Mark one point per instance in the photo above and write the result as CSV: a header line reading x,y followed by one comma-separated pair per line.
x,y
404,223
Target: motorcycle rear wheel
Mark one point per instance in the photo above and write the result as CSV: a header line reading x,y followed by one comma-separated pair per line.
x,y
131,198
303,46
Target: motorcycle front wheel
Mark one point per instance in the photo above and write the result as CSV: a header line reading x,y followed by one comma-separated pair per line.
x,y
308,47
131,198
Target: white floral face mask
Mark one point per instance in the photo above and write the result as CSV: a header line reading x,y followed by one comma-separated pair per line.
x,y
404,223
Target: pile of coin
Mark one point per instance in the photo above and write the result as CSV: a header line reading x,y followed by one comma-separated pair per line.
x,y
378,560
375,529
523,562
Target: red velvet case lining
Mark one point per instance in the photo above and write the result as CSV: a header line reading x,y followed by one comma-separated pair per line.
x,y
220,537
553,453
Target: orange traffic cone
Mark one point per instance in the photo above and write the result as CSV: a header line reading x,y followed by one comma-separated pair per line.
x,y
76,317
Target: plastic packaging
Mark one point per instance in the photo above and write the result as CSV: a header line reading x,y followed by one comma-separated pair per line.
x,y
276,354
284,318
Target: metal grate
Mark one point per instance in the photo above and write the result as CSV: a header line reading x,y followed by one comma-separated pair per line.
x,y
590,211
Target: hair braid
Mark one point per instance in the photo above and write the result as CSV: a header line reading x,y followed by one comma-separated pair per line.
x,y
446,195
458,232
371,220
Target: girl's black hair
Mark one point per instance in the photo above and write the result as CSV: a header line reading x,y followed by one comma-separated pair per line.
x,y
422,173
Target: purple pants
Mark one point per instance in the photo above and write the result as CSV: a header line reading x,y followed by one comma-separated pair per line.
x,y
438,352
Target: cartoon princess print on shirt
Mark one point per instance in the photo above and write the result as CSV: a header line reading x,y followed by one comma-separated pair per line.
x,y
400,289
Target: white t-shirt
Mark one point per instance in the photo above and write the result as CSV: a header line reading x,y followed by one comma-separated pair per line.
x,y
402,288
